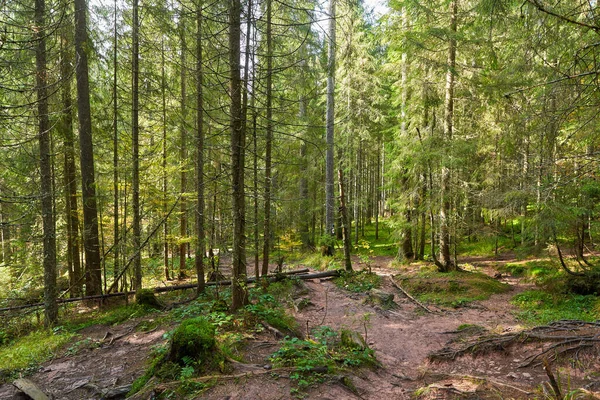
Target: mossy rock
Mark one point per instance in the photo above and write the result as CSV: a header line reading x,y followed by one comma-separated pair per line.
x,y
146,298
381,298
195,340
352,340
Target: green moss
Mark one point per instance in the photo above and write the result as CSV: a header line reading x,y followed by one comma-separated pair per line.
x,y
193,339
147,298
31,350
540,307
454,289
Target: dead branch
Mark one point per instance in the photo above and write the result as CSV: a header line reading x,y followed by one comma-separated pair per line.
x,y
417,302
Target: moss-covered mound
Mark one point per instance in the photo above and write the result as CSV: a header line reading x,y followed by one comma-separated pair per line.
x,y
454,289
146,298
194,340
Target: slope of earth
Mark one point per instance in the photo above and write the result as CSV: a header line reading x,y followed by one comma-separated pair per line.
x,y
105,358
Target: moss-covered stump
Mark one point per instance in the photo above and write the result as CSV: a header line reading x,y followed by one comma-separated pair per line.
x,y
194,340
147,298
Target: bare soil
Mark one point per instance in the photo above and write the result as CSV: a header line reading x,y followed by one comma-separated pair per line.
x,y
402,338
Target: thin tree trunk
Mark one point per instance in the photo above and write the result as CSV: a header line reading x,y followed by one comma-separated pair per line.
x,y
137,234
445,257
200,244
238,143
330,121
47,195
304,205
164,165
115,151
183,155
91,245
268,144
72,214
345,227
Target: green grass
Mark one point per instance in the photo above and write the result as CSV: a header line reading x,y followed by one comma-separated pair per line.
x,y
453,289
538,307
31,350
537,271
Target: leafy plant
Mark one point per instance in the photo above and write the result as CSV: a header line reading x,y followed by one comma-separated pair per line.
x,y
314,359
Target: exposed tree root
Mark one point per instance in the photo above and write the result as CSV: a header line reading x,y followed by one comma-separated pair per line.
x,y
569,336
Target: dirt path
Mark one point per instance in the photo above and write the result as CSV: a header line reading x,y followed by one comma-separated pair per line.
x,y
402,339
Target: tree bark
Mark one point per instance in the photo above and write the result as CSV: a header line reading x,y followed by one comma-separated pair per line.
x,y
345,226
201,237
47,195
268,143
330,121
135,129
116,254
445,257
183,154
164,167
238,144
66,126
91,244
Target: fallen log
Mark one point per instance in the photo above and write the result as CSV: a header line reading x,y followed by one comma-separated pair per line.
x,y
300,273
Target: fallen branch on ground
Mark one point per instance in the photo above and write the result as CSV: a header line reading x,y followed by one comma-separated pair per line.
x,y
417,302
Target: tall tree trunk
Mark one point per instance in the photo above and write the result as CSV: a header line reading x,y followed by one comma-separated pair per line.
x,y
117,245
47,192
330,121
238,144
183,155
200,243
47,195
91,244
66,126
268,144
135,130
445,257
164,166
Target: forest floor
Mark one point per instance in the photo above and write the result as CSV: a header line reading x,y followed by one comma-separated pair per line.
x,y
403,338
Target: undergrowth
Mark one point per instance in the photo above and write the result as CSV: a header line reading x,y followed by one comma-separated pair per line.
x,y
358,281
315,359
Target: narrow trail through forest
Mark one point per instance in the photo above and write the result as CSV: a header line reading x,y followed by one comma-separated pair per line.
x,y
104,358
